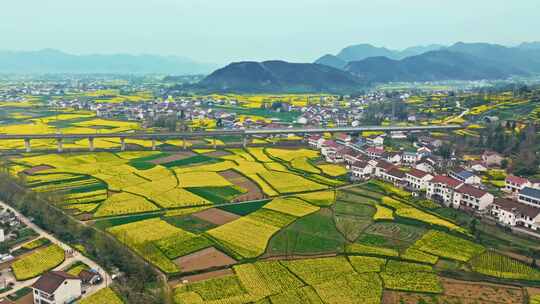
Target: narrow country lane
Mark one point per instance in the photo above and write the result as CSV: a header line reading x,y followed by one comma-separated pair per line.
x,y
72,256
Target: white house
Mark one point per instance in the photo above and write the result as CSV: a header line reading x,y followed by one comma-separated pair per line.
x,y
393,176
529,196
56,287
513,184
329,148
409,157
491,158
375,140
468,196
425,166
375,152
393,157
417,179
316,141
512,213
361,170
423,152
353,156
381,167
478,167
442,188
465,176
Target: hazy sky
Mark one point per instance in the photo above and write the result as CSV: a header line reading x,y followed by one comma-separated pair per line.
x,y
220,31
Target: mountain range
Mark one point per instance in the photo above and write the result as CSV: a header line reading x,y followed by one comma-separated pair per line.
x,y
53,61
362,51
353,68
362,65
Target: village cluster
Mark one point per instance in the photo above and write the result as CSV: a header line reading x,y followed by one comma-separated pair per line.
x,y
452,184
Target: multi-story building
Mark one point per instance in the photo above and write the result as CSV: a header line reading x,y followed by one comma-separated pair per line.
x,y
381,167
56,287
465,176
417,179
513,213
514,184
393,176
467,196
361,170
442,188
529,196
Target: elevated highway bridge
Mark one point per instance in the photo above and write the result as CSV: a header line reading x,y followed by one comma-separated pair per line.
x,y
244,133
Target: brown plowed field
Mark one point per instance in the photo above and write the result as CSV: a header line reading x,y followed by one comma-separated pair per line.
x,y
253,191
204,259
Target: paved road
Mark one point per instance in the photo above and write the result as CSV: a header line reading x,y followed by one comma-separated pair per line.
x,y
70,258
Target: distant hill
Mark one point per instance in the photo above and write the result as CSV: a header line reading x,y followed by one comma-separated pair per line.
x,y
530,45
279,76
525,59
363,51
430,66
54,61
332,61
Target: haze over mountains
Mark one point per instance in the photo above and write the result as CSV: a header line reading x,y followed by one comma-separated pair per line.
x,y
368,65
353,68
54,61
363,51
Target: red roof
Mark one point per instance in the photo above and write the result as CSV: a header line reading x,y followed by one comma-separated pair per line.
x,y
442,179
516,207
384,165
470,190
330,143
417,173
359,164
375,150
396,172
516,180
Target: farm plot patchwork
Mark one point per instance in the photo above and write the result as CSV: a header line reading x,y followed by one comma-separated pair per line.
x,y
448,246
151,238
248,236
332,170
289,183
500,266
312,234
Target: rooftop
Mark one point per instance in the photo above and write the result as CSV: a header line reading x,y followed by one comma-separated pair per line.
x,y
417,173
516,180
50,281
516,207
531,192
470,190
442,179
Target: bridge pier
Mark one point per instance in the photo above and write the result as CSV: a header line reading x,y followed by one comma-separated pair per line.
x,y
27,145
153,144
91,144
122,144
59,145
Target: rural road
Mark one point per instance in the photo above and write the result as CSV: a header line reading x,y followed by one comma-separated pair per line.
x,y
72,256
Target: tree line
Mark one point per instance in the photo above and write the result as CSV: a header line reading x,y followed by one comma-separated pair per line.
x,y
140,283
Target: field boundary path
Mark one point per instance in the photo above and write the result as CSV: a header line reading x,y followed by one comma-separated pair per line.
x,y
72,256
